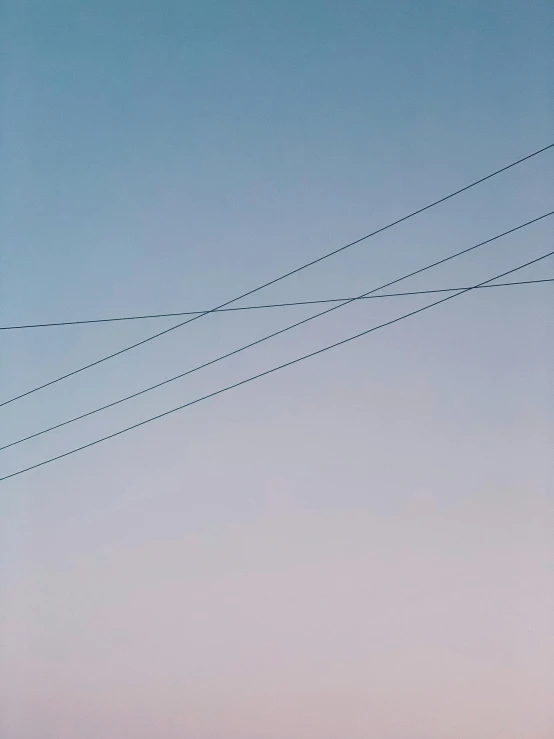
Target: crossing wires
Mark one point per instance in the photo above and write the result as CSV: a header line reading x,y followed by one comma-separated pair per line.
x,y
311,263
274,369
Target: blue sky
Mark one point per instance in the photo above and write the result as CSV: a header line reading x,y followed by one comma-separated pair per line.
x,y
169,156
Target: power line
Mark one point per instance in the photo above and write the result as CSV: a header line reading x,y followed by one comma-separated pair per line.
x,y
270,371
265,305
277,279
275,333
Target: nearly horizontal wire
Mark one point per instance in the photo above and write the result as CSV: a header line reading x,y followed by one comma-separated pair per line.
x,y
266,305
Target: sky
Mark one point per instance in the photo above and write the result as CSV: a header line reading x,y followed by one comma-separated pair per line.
x,y
359,545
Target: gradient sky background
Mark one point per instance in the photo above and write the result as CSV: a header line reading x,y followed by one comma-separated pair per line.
x,y
359,546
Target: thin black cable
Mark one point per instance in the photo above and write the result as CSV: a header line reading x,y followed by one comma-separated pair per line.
x,y
347,301
273,369
277,279
265,305
272,335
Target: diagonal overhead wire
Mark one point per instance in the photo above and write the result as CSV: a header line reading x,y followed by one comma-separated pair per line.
x,y
282,277
277,333
55,324
273,369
